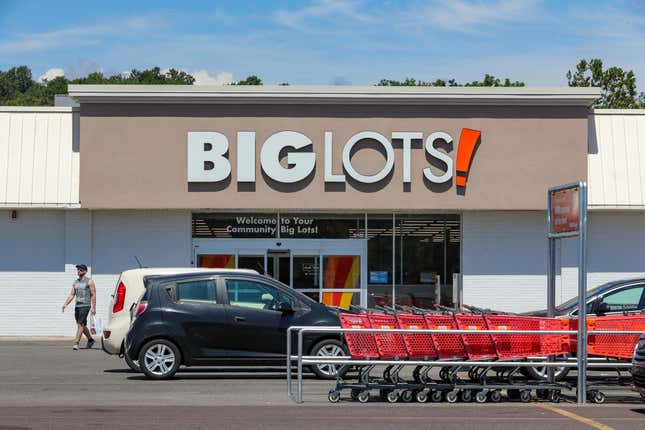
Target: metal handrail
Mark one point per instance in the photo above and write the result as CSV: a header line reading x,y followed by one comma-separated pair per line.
x,y
301,360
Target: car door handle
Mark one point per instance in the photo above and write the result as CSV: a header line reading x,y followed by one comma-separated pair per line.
x,y
240,319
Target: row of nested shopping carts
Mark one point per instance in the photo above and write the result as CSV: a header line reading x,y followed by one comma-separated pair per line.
x,y
485,380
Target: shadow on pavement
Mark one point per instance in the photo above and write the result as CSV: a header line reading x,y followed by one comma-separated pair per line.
x,y
228,376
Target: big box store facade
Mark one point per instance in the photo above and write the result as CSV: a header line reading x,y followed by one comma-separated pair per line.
x,y
348,194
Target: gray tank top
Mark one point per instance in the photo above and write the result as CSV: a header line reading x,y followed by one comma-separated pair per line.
x,y
82,290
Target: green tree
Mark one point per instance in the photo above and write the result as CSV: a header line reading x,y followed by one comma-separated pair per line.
x,y
492,81
153,76
250,80
14,81
407,82
488,81
618,88
18,88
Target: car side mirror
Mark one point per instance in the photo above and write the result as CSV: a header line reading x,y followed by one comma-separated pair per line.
x,y
285,308
602,308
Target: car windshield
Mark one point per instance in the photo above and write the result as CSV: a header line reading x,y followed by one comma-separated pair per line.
x,y
590,293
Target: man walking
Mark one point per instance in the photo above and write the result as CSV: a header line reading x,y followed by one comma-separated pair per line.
x,y
85,292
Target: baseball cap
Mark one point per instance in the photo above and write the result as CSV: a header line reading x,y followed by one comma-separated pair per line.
x,y
82,267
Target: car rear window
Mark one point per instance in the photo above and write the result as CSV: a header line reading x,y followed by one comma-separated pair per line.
x,y
202,291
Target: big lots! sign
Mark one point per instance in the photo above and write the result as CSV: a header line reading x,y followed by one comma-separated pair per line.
x,y
208,156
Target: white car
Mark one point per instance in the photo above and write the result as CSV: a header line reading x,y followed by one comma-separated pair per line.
x,y
129,289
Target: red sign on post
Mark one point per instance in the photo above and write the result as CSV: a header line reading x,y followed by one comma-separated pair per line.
x,y
565,216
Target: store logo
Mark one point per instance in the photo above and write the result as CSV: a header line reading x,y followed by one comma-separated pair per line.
x,y
468,142
208,156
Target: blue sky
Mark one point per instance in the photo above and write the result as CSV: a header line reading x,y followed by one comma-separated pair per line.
x,y
324,41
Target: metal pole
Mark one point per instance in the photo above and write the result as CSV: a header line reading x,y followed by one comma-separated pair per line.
x,y
550,295
393,259
289,334
299,392
582,296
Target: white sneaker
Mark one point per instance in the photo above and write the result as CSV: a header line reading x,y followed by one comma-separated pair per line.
x,y
75,347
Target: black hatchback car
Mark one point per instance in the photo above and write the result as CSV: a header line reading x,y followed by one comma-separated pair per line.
x,y
225,319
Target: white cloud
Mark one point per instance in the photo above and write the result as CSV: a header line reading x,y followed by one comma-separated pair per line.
x,y
75,36
467,15
81,67
321,9
50,74
203,78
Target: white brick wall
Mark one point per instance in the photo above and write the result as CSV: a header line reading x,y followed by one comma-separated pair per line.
x,y
505,255
39,249
157,238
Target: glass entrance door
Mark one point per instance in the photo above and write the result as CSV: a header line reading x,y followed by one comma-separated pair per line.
x,y
329,271
279,266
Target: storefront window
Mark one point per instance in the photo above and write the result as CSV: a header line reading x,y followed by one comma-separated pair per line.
x,y
306,272
216,261
426,255
253,262
410,256
379,260
322,226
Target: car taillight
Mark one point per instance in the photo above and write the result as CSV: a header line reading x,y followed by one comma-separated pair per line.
x,y
119,300
143,305
106,334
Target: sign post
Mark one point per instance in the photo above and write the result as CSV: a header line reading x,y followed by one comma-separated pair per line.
x,y
567,217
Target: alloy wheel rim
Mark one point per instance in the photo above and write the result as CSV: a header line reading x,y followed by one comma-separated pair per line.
x,y
159,359
330,350
543,371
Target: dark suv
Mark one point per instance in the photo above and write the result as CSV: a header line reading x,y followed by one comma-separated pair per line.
x,y
224,319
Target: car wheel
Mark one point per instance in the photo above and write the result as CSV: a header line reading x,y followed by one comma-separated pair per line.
x,y
329,348
540,373
159,359
132,364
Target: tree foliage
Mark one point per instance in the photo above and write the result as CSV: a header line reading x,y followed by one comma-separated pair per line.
x,y
152,76
618,87
250,80
488,81
18,88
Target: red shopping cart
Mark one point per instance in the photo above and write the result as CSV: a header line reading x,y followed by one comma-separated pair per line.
x,y
389,345
419,345
360,345
615,345
519,346
478,346
448,346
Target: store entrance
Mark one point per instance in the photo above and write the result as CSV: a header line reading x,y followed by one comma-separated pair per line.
x,y
331,271
278,265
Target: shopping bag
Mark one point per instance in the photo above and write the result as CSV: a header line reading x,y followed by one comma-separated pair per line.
x,y
96,328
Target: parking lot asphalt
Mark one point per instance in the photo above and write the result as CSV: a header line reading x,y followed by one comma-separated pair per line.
x,y
45,384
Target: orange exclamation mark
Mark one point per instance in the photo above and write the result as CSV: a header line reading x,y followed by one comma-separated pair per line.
x,y
468,141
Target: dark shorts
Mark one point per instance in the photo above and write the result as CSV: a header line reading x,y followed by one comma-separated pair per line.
x,y
81,314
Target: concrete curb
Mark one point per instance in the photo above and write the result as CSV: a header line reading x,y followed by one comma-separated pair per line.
x,y
36,338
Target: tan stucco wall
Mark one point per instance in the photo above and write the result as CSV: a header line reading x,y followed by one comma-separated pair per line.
x,y
135,156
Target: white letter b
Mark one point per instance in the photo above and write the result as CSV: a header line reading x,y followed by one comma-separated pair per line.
x,y
206,157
